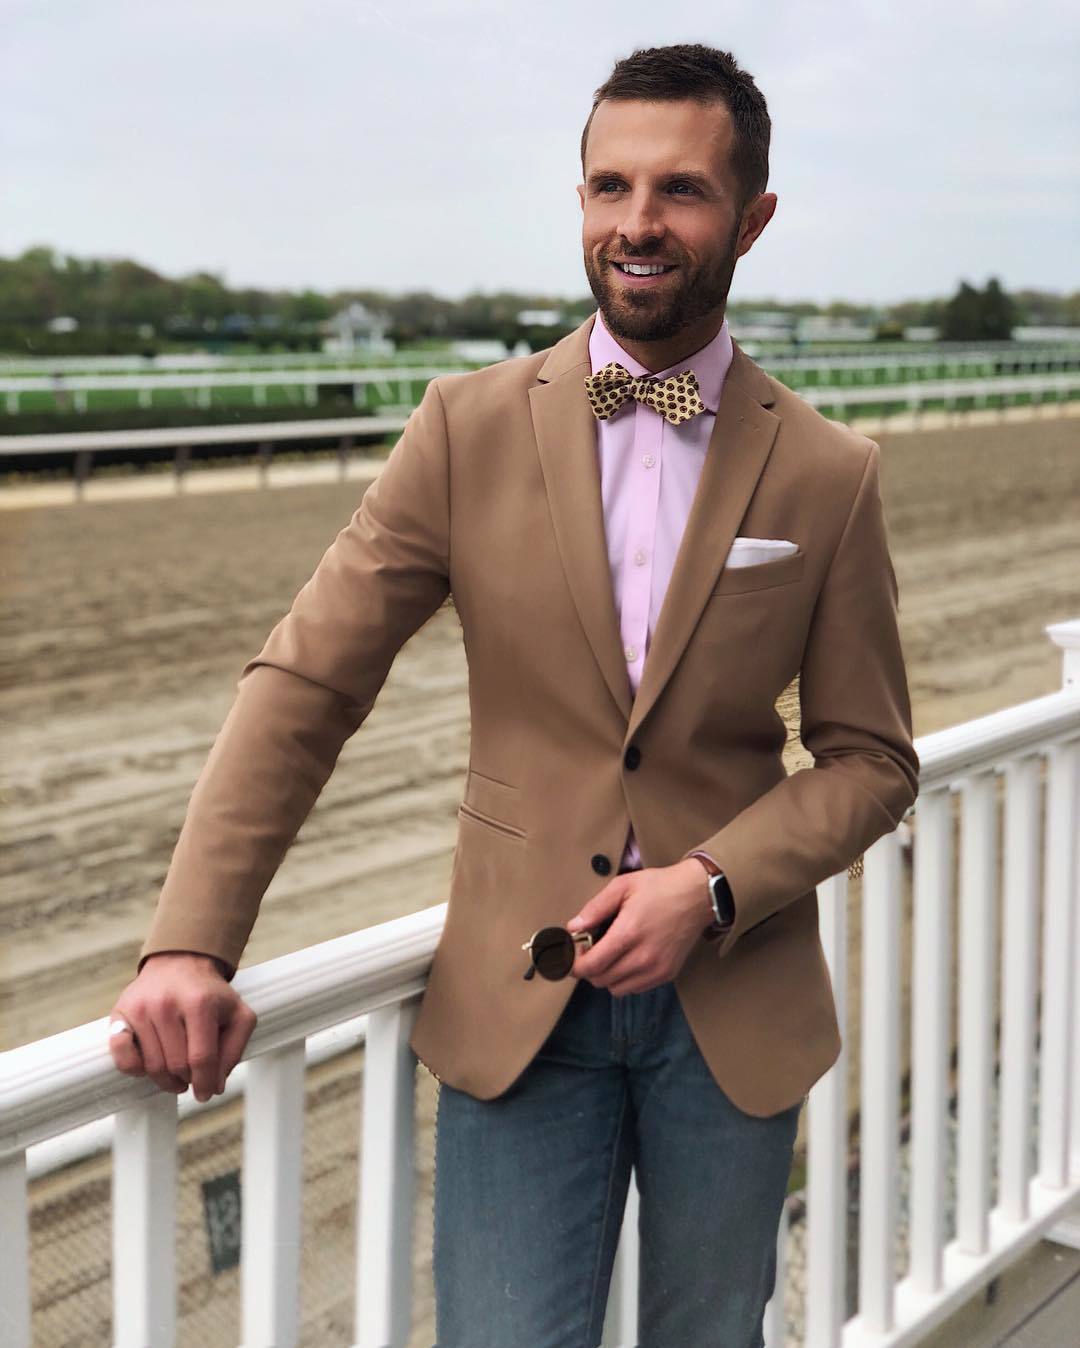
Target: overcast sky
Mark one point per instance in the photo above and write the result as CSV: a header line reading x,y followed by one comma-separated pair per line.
x,y
433,144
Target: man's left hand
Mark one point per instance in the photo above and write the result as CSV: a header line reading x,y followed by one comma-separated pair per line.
x,y
659,913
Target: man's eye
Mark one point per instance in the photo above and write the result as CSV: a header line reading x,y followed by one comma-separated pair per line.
x,y
610,183
689,185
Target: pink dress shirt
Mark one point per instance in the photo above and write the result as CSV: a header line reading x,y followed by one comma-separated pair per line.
x,y
649,471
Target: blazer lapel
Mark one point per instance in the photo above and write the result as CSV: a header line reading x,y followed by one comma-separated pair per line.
x,y
565,429
739,447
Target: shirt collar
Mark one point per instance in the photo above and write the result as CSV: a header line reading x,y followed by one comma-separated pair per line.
x,y
710,363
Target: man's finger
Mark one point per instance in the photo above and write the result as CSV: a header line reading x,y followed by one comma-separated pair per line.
x,y
615,944
154,1055
171,1035
204,1056
125,1051
234,1041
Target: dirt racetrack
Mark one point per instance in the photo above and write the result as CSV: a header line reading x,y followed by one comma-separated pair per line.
x,y
126,624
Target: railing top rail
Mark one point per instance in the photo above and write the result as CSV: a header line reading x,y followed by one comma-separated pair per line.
x,y
69,1079
979,744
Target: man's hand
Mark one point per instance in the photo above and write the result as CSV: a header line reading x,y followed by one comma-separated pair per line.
x,y
190,1026
661,912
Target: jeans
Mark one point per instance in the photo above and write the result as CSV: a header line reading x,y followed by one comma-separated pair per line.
x,y
530,1189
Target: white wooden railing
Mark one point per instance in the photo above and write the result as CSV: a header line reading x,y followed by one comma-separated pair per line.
x,y
62,1088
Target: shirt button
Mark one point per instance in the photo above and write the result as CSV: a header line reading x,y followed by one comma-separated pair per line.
x,y
630,653
648,460
601,864
632,757
639,558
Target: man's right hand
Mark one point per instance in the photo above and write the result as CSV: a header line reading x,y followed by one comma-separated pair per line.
x,y
190,1025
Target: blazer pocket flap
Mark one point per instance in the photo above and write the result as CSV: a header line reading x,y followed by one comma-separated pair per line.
x,y
762,575
493,801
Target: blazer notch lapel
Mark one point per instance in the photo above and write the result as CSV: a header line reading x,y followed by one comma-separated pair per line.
x,y
739,447
565,429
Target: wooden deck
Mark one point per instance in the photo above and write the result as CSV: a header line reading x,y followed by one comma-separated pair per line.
x,y
1034,1304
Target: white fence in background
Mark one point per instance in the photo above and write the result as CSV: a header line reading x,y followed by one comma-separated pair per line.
x,y
67,1082
940,362
203,382
1040,389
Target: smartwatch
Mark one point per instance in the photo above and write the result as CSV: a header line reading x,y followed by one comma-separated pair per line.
x,y
720,895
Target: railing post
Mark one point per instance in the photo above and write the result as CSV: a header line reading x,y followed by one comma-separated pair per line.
x,y
879,1118
271,1197
144,1224
827,1143
1059,964
931,1017
15,1261
387,1181
975,1029
1019,958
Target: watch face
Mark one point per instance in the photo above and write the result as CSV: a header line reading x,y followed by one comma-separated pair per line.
x,y
721,891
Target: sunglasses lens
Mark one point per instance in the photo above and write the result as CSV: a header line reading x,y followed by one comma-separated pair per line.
x,y
553,952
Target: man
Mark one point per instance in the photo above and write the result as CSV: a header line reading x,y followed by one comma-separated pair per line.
x,y
640,569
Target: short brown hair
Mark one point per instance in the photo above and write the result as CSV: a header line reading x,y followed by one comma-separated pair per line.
x,y
691,70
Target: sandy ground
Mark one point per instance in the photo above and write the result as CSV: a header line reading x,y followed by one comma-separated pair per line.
x,y
127,622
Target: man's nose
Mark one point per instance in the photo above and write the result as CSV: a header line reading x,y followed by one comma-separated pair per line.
x,y
642,221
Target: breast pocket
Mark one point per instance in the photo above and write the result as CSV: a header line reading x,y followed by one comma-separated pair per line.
x,y
762,576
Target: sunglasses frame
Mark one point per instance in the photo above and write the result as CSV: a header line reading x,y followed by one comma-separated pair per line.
x,y
586,938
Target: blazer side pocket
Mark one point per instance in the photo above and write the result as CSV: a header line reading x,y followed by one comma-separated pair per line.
x,y
466,811
493,802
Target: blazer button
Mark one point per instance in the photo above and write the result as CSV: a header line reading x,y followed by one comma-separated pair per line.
x,y
601,864
632,757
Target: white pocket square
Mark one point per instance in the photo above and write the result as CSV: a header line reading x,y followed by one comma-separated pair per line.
x,y
752,551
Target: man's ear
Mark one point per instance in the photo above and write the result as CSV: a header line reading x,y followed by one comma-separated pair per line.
x,y
581,194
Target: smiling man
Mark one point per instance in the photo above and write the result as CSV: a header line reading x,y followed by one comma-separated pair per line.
x,y
646,539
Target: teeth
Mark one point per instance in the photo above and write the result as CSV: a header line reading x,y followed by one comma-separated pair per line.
x,y
636,270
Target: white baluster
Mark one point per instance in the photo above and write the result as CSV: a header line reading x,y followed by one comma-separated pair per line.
x,y
15,1260
271,1197
1020,911
774,1324
931,1034
827,1138
144,1224
1059,965
387,1180
880,1103
621,1320
975,1030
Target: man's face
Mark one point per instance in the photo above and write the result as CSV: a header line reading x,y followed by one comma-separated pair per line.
x,y
659,188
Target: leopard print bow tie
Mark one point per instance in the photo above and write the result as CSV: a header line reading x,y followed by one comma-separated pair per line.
x,y
675,398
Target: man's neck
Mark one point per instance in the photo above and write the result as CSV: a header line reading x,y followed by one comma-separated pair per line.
x,y
656,356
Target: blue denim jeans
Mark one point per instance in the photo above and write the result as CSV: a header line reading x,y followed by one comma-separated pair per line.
x,y
530,1189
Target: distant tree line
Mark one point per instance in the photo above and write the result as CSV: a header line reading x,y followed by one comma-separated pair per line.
x,y
119,305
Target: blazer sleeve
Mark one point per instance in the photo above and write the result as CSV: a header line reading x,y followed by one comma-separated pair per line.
x,y
855,716
309,688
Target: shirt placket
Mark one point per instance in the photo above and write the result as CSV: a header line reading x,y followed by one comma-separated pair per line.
x,y
637,568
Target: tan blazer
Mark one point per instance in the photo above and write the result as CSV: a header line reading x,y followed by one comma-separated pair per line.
x,y
492,495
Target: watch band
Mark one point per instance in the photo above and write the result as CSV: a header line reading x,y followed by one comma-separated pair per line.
x,y
720,924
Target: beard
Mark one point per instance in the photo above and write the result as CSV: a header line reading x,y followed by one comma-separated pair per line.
x,y
652,316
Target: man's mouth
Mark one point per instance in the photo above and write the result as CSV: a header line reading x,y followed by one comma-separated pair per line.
x,y
643,268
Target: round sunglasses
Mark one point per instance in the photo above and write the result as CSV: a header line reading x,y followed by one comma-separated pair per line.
x,y
552,949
